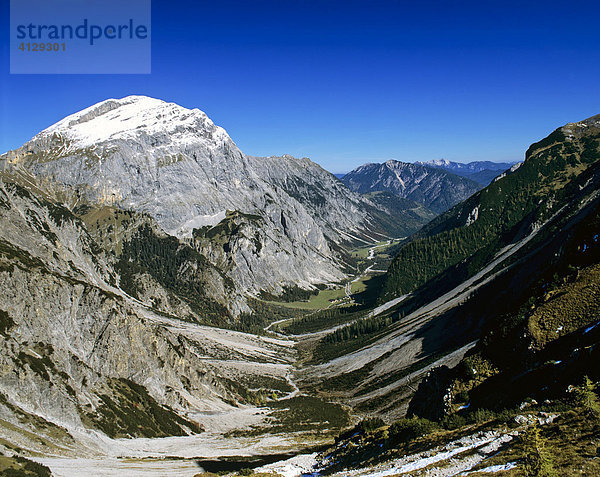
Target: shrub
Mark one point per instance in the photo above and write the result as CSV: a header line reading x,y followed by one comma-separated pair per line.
x,y
454,421
370,424
482,415
537,461
587,397
462,396
411,428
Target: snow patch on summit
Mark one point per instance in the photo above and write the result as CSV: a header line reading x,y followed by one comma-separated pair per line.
x,y
129,117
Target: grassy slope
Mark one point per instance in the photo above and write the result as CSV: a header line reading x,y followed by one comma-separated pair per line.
x,y
506,209
17,466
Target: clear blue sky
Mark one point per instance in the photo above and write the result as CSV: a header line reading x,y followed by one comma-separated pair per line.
x,y
349,82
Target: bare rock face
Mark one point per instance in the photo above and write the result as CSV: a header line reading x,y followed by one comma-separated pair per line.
x,y
242,244
78,352
176,165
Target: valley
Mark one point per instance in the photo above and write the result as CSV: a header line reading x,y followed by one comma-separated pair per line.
x,y
173,306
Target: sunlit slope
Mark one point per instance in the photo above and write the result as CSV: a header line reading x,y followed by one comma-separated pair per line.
x,y
470,234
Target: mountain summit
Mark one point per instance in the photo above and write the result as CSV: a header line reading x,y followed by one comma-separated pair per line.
x,y
132,117
147,155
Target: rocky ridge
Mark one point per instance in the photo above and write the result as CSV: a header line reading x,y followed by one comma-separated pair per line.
x,y
177,166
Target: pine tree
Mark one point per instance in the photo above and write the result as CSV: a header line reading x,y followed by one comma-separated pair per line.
x,y
587,397
537,461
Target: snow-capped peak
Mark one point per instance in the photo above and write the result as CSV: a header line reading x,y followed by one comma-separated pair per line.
x,y
130,116
438,162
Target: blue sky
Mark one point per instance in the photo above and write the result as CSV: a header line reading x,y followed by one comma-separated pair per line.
x,y
349,82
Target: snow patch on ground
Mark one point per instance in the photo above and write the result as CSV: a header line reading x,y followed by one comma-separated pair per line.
x,y
485,444
492,469
197,222
294,467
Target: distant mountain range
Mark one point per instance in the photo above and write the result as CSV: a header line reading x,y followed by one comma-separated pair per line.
x,y
481,172
435,188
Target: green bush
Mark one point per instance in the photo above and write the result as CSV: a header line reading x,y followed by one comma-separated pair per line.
x,y
411,428
370,424
482,415
587,397
453,421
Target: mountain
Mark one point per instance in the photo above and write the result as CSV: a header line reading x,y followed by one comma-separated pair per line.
x,y
478,272
436,189
481,172
500,315
104,330
517,202
81,355
177,166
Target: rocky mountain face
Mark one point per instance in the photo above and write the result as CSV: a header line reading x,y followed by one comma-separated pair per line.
x,y
434,188
175,165
79,353
482,172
